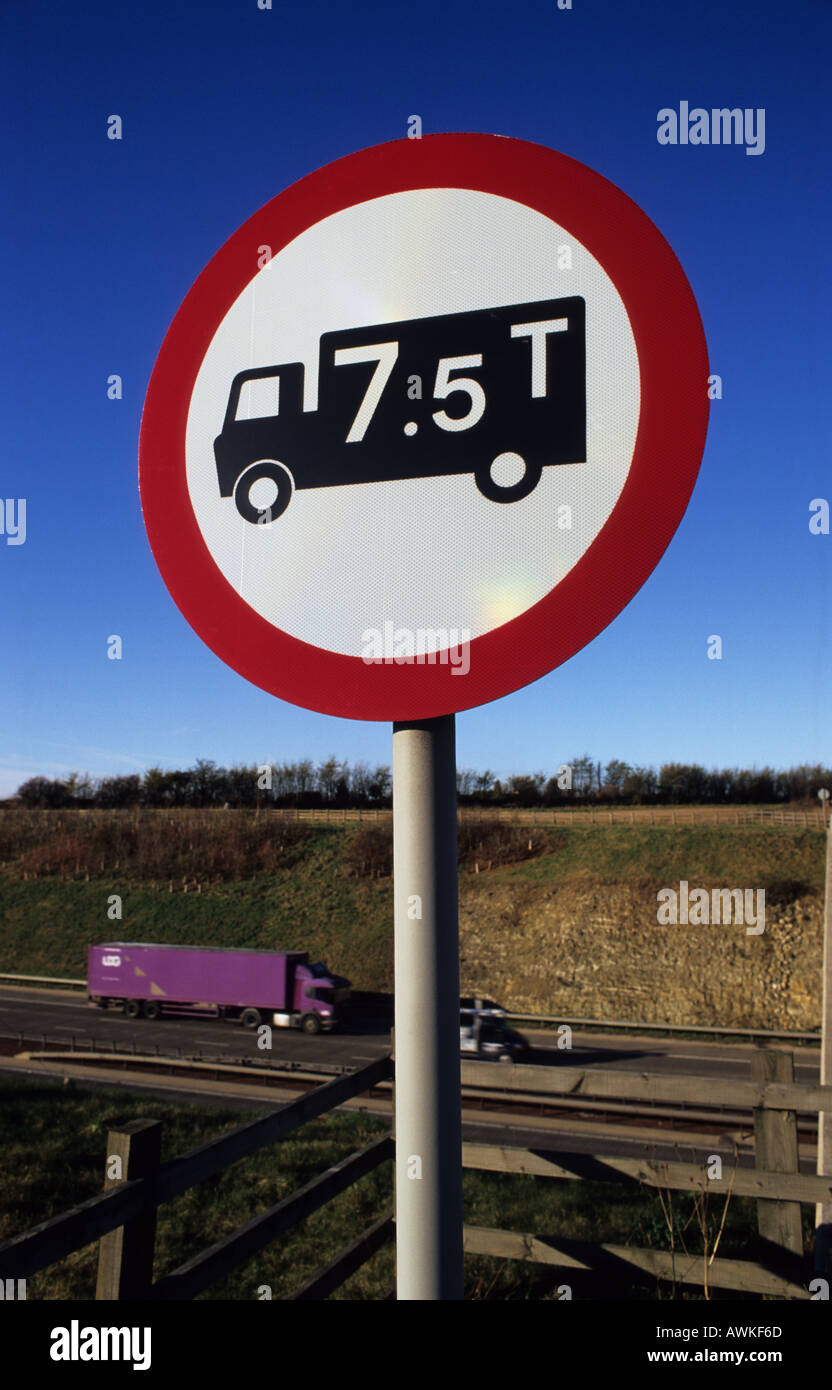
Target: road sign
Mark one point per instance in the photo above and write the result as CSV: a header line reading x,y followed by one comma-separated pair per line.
x,y
423,426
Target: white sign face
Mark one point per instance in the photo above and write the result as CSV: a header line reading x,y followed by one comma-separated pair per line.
x,y
422,553
423,426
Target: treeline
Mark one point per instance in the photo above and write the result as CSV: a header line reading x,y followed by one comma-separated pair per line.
x,y
330,783
335,783
591,782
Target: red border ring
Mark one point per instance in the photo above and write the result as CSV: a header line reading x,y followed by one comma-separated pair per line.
x,y
673,364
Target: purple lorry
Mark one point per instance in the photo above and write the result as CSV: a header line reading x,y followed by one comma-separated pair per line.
x,y
276,987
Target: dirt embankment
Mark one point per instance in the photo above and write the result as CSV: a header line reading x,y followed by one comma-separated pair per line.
x,y
596,951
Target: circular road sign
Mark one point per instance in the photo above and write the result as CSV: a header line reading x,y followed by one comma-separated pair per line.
x,y
423,426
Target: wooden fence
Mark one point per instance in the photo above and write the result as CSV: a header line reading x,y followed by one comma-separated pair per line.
x,y
582,816
123,1217
774,1099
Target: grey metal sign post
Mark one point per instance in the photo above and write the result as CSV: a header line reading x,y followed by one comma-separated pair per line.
x,y
427,1085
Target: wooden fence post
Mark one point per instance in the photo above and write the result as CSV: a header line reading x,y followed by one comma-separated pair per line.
x,y
776,1151
125,1255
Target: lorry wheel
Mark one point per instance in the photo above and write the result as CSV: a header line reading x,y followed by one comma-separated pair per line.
x,y
276,473
311,1023
250,1018
151,1009
512,492
132,1008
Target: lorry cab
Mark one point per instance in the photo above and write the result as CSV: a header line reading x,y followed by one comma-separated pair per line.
x,y
320,999
484,1032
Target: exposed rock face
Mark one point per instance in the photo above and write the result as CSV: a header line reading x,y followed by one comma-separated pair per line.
x,y
595,951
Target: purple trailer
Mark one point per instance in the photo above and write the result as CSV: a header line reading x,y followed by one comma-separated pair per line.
x,y
276,987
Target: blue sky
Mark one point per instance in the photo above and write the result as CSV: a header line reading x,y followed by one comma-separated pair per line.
x,y
224,105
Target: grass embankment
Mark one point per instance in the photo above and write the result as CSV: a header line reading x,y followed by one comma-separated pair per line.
x,y
54,1139
235,879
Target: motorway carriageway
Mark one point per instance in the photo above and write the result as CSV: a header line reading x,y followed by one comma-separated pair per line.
x,y
62,1015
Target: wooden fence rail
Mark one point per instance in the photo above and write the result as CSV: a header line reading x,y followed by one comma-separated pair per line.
x,y
206,1268
595,1083
675,1177
620,1262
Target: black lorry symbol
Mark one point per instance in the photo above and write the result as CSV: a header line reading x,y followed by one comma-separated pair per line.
x,y
487,389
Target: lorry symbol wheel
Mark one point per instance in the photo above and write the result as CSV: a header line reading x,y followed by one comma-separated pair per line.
x,y
132,1008
276,473
151,1009
511,492
250,1018
311,1023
